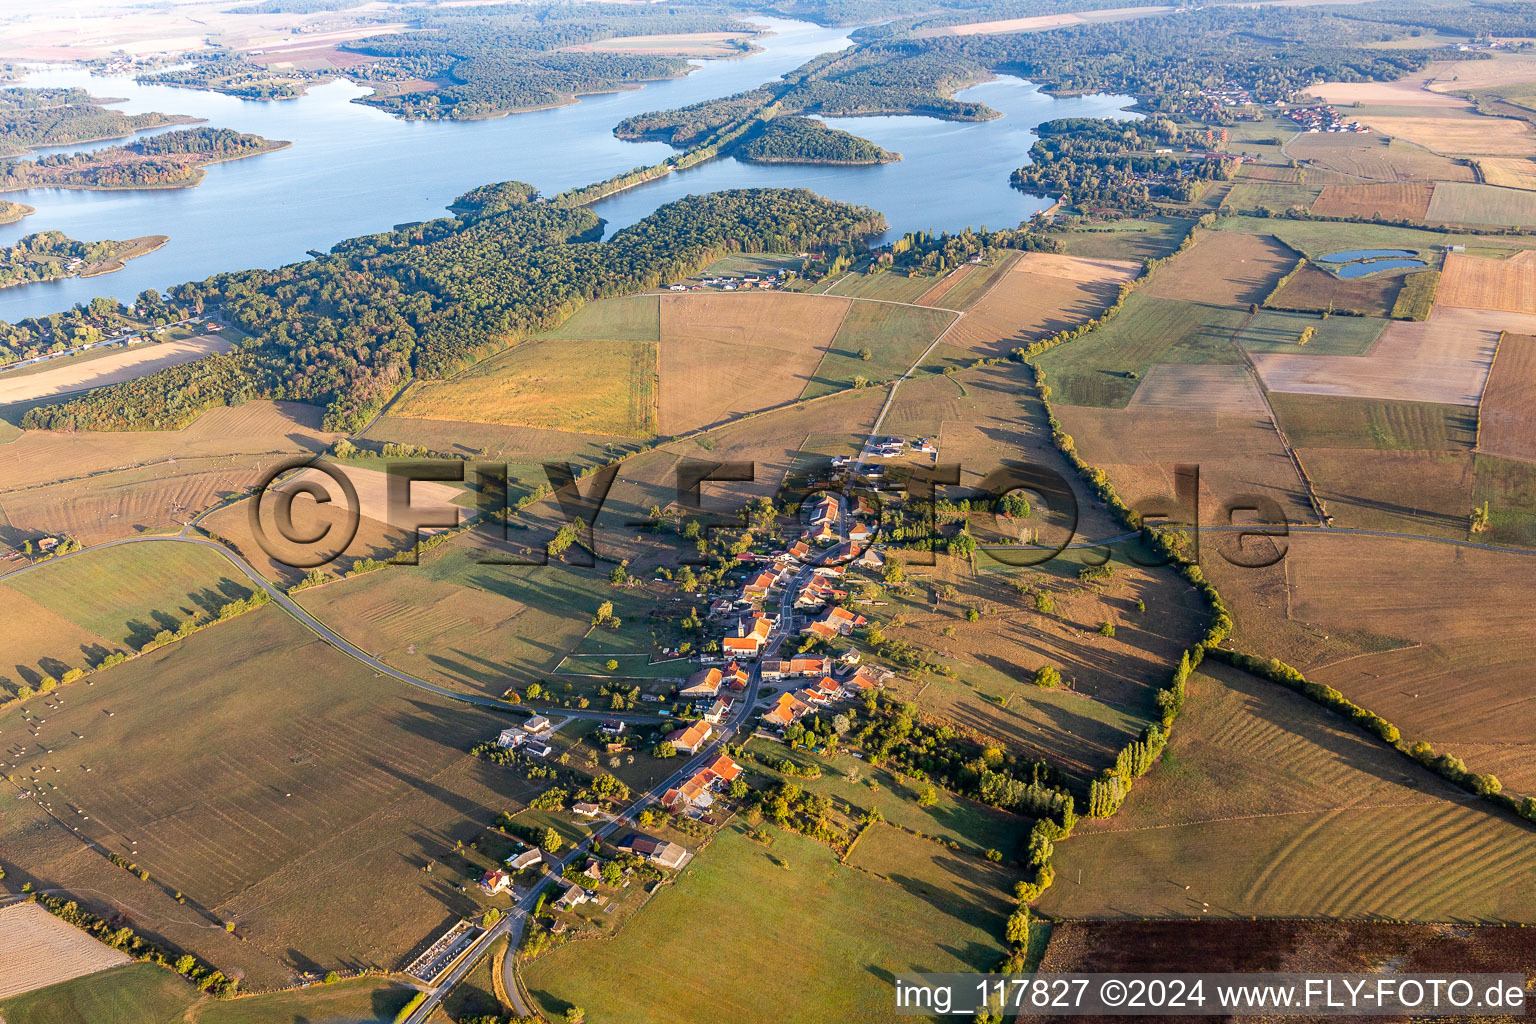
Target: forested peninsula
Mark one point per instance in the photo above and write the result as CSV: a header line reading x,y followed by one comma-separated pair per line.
x,y
173,160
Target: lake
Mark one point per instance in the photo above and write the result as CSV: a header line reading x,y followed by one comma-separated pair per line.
x,y
354,170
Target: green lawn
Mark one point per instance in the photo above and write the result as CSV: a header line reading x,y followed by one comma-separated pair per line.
x,y
359,1001
564,822
475,996
778,935
1317,238
894,335
976,282
127,594
624,318
1277,195
1276,331
1098,370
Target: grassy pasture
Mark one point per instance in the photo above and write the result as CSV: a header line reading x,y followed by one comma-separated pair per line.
x,y
894,335
147,994
929,871
1315,289
1278,331
622,318
584,387
1132,239
1317,238
968,288
1098,370
1267,805
269,778
128,594
1275,195
818,911
975,826
892,286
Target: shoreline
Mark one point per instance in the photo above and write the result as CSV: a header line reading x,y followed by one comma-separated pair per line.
x,y
136,247
191,181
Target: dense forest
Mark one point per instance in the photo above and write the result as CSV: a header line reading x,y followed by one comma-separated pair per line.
x,y
687,126
57,117
172,159
232,74
489,63
347,331
1103,164
804,140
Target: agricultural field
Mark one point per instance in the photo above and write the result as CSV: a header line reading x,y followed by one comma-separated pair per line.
x,y
623,318
1460,136
1464,203
1314,421
1273,195
1395,201
865,924
148,994
1104,368
269,779
478,627
38,950
1221,389
725,355
1507,416
1374,157
1043,293
1280,331
966,285
894,337
1224,268
1508,284
1406,92
1509,172
1130,239
1443,360
893,286
74,612
1316,290
1317,946
1418,493
584,387
129,364
1267,805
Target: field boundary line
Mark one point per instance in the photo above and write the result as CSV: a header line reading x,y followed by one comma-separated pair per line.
x,y
1482,396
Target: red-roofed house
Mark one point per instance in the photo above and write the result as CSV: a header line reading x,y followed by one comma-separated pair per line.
x,y
692,738
784,711
703,683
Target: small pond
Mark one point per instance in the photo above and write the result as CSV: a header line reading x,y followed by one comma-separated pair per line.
x,y
1366,254
1365,267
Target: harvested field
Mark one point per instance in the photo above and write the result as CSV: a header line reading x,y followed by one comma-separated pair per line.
x,y
1442,360
970,288
1225,268
1510,172
1276,195
584,387
723,356
1043,293
37,950
1419,493
1131,239
1268,805
1140,450
1507,416
622,318
1503,69
1222,389
1387,201
889,286
1318,290
1280,331
49,457
1460,136
894,336
1407,92
1316,421
273,781
129,364
1372,157
1475,283
1463,203
1292,946
1104,368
